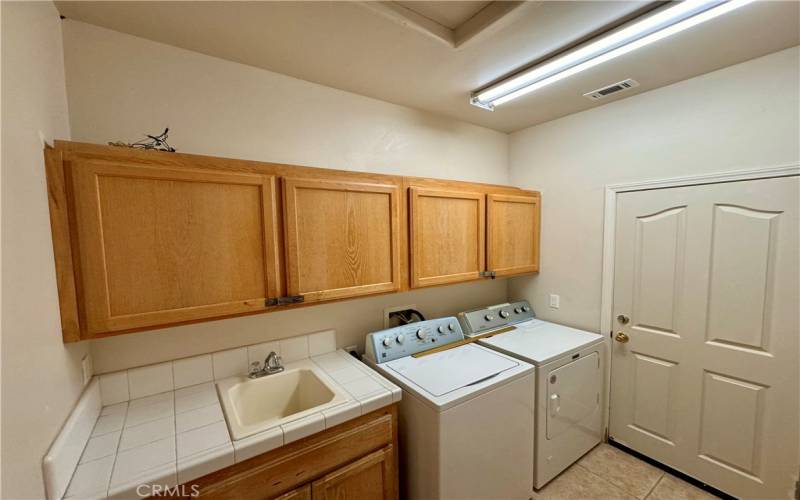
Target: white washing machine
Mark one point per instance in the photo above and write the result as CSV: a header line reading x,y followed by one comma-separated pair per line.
x,y
466,416
570,367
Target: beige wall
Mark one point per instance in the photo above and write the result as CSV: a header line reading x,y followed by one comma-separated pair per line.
x,y
120,86
744,116
41,377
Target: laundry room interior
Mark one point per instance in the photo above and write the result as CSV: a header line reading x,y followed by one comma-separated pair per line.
x,y
400,249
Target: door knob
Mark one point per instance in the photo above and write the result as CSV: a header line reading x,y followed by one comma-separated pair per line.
x,y
623,319
621,337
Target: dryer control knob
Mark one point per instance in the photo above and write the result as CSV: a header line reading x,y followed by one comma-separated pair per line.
x,y
517,310
440,329
503,314
451,327
420,334
488,317
387,342
526,308
400,338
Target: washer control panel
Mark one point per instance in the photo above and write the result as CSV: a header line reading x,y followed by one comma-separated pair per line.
x,y
489,318
405,340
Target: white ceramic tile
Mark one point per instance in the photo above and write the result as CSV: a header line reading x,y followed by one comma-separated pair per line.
x,y
202,438
114,388
136,462
373,401
149,400
91,479
108,423
362,386
192,371
257,444
294,349
331,362
101,446
259,352
397,393
321,342
347,374
199,417
206,462
186,391
138,415
151,481
149,380
147,432
117,408
341,413
195,400
230,363
304,427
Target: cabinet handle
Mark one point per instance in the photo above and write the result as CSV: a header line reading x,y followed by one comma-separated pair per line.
x,y
488,274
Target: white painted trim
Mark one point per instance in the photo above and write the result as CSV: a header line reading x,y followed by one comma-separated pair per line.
x,y
609,229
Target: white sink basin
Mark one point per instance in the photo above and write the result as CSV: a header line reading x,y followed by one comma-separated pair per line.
x,y
254,405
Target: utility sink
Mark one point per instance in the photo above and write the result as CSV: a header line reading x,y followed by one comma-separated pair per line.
x,y
255,405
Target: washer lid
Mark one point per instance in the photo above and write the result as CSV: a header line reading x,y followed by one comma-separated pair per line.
x,y
540,341
449,370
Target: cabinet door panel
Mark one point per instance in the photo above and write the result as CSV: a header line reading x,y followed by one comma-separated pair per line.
x,y
301,493
369,478
160,246
513,233
342,238
447,236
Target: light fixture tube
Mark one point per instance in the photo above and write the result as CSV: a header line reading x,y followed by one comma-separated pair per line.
x,y
644,32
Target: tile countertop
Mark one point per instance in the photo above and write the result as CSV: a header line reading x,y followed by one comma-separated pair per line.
x,y
177,436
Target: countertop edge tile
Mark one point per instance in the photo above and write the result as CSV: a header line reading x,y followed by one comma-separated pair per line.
x,y
258,444
205,462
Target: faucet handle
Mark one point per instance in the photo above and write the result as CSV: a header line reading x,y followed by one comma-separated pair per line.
x,y
255,366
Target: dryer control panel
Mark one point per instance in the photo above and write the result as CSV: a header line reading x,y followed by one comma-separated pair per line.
x,y
405,340
489,318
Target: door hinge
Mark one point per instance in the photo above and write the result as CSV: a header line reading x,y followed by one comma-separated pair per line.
x,y
282,301
488,274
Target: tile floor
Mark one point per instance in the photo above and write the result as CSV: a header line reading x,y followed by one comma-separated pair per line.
x,y
607,473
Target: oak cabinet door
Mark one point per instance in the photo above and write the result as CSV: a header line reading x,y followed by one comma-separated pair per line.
x,y
369,478
513,233
301,493
447,236
160,246
342,238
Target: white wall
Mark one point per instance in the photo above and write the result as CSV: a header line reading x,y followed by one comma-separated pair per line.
x,y
120,86
743,116
41,377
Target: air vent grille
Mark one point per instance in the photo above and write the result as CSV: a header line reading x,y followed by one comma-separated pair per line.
x,y
611,89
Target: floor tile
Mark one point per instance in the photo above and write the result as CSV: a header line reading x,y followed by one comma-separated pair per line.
x,y
621,469
672,488
578,483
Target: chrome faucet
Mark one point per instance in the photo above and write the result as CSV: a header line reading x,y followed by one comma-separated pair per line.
x,y
272,365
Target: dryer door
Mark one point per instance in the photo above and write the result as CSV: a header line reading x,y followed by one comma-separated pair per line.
x,y
573,393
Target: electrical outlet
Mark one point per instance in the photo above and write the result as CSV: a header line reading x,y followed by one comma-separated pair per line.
x,y
555,300
86,368
388,323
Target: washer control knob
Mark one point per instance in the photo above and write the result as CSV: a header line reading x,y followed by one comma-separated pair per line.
x,y
387,342
420,334
400,339
517,310
488,317
526,308
451,327
503,314
440,329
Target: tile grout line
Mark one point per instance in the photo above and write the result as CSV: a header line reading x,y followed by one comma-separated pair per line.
x,y
655,486
623,490
116,449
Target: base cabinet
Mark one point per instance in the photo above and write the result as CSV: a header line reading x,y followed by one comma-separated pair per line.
x,y
355,460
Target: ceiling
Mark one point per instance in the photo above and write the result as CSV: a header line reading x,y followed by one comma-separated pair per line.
x,y
351,46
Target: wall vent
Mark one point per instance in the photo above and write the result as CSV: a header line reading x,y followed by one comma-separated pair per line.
x,y
611,89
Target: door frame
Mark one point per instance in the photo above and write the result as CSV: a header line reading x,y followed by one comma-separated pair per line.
x,y
609,231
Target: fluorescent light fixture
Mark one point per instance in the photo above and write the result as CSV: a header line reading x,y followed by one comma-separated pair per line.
x,y
651,29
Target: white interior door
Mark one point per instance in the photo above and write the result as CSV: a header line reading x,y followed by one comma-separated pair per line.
x,y
707,381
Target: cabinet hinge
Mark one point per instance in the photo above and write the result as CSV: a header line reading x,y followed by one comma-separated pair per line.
x,y
282,301
488,274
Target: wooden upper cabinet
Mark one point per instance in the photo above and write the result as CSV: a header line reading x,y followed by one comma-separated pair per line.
x,y
160,245
342,237
447,235
513,233
370,478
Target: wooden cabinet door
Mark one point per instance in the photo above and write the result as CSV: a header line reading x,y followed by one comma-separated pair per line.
x,y
160,246
342,238
370,478
513,233
447,236
301,493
